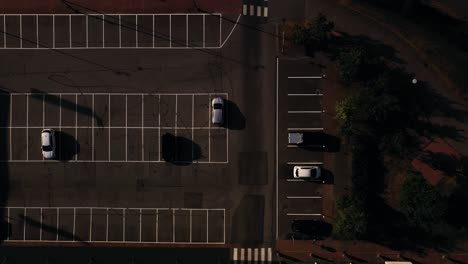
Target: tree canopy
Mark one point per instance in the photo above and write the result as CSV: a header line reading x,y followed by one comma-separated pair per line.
x,y
351,219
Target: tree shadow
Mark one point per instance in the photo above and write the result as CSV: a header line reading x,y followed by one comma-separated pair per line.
x,y
441,161
67,146
327,176
235,118
319,141
179,150
4,170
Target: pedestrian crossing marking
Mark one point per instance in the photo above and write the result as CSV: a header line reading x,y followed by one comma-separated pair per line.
x,y
252,255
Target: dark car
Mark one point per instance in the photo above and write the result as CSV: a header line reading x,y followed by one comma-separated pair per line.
x,y
168,147
313,229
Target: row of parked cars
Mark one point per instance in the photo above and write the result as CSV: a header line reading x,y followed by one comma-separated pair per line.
x,y
313,172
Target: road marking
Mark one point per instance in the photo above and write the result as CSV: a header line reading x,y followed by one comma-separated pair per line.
x,y
37,31
140,224
90,224
304,146
4,31
306,162
136,31
232,30
255,255
57,225
24,224
53,32
204,30
295,180
87,38
306,112
252,10
74,223
186,31
244,9
234,253
262,254
42,216
249,254
21,30
11,121
142,126
190,212
301,94
303,214
103,33
170,31
120,31
126,129
153,31
109,130
269,255
304,197
107,224
259,11
70,30
305,128
176,112
76,126
242,252
207,227
220,30
265,12
276,147
92,129
159,127
193,124
306,77
27,127
209,130
157,220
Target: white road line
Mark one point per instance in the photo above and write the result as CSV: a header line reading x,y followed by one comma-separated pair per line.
x,y
269,255
70,30
295,180
242,251
204,15
123,225
249,254
170,31
186,31
74,223
224,225
227,133
109,130
91,224
53,32
43,111
306,112
234,252
140,224
40,231
21,30
87,38
60,112
118,127
255,255
24,224
103,33
107,224
265,11
276,147
252,10
153,31
259,11
304,197
190,212
120,31
306,77
304,146
301,94
57,225
92,129
305,128
142,126
207,226
303,214
176,115
11,120
209,130
126,129
193,122
157,218
262,255
159,127
76,126
4,31
306,162
37,31
244,10
173,225
220,29
27,128
136,31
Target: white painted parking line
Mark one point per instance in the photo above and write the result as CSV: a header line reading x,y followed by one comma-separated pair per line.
x,y
11,120
57,225
70,30
108,130
303,197
207,227
91,225
120,32
37,31
170,31
103,32
76,125
92,129
175,116
53,32
107,224
302,94
24,224
305,128
74,223
276,145
307,77
159,127
142,126
157,224
126,129
249,254
4,31
173,225
123,224
303,214
259,11
21,30
255,255
306,162
305,146
306,112
295,180
209,130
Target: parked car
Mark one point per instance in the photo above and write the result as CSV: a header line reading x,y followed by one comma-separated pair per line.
x,y
217,115
295,138
312,229
312,173
48,143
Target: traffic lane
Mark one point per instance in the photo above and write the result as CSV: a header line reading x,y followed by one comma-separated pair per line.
x,y
304,103
155,71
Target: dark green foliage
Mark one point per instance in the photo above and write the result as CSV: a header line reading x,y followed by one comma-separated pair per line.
x,y
351,62
422,205
313,34
351,219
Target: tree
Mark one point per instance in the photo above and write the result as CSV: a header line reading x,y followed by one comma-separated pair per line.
x,y
313,33
420,202
351,62
351,220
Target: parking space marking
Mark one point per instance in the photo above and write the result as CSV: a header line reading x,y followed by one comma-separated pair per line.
x,y
302,94
307,77
94,119
305,128
304,197
306,112
276,145
304,214
64,211
307,162
58,29
304,146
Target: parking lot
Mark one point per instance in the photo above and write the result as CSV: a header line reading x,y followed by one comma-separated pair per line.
x,y
104,127
117,225
114,31
300,93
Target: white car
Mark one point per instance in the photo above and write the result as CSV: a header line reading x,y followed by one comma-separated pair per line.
x,y
217,105
48,143
313,173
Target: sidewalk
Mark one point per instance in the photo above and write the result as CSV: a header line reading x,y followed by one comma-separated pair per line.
x,y
121,6
363,252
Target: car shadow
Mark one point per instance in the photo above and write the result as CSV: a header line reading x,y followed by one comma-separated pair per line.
x,y
319,141
235,120
179,150
327,176
67,146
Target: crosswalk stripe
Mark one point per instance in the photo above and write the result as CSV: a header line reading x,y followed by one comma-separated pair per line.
x,y
244,9
252,255
259,11
249,255
242,254
234,254
265,13
256,255
262,255
252,10
269,254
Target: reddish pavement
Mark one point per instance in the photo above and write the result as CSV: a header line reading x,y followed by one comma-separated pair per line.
x,y
120,6
364,252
